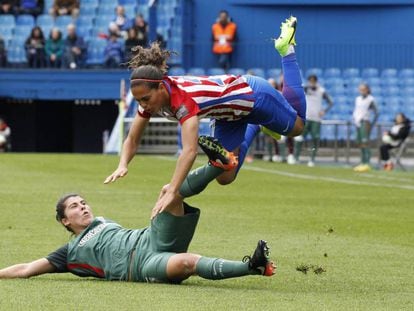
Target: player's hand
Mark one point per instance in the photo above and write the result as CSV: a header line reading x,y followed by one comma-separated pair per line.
x,y
321,113
166,202
163,191
119,172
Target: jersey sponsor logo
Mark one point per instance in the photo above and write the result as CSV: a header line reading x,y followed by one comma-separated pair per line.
x,y
91,234
181,112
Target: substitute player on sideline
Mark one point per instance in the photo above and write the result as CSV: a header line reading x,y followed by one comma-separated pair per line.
x,y
103,249
239,105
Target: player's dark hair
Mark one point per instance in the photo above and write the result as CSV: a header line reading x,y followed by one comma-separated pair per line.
x,y
149,65
313,77
61,206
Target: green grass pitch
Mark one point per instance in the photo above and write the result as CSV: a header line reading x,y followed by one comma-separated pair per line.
x,y
358,228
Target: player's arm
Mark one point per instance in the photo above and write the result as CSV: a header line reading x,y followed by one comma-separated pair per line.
x,y
329,101
189,136
27,270
129,147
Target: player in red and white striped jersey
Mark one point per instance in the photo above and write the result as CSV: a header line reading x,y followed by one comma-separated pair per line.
x,y
238,105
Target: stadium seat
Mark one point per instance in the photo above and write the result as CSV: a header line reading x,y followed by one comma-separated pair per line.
x,y
407,82
406,73
97,43
369,73
22,30
6,33
25,19
196,71
354,81
95,56
390,91
373,81
389,73
176,71
63,21
130,9
88,9
393,102
390,81
90,2
236,71
274,73
124,2
314,71
334,81
332,73
349,73
7,21
103,21
47,6
337,90
215,71
407,91
85,21
44,19
376,90
379,100
107,9
256,72
16,54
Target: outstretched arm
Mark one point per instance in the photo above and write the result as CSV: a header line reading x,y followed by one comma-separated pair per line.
x,y
26,270
189,133
129,148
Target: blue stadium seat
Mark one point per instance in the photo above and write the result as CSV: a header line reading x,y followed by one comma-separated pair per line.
x,y
85,21
328,131
407,82
176,71
259,72
16,54
332,73
369,73
124,2
45,20
88,9
373,81
47,5
314,71
406,73
84,32
95,56
90,2
196,71
390,91
7,21
97,43
130,9
107,9
103,20
215,71
390,81
408,91
379,100
337,90
22,30
236,71
408,104
354,81
389,73
334,81
274,73
63,21
393,102
25,19
350,73
6,33
376,90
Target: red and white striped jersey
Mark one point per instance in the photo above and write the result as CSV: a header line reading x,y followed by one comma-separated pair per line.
x,y
224,97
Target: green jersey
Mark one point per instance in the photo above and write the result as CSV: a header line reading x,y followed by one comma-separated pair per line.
x,y
102,250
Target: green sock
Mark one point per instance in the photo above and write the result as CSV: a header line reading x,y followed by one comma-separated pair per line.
x,y
282,151
298,149
198,179
217,268
314,149
362,155
367,155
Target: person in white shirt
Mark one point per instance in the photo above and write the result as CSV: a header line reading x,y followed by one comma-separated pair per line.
x,y
315,96
365,106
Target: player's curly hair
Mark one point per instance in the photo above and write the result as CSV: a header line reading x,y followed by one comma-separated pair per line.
x,y
149,64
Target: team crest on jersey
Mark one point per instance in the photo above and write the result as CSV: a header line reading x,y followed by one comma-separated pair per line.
x,y
181,112
91,234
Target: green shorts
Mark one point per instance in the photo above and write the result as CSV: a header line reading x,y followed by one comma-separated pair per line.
x,y
167,236
313,128
363,132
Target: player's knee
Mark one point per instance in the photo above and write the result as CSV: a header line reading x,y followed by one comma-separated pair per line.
x,y
225,179
298,128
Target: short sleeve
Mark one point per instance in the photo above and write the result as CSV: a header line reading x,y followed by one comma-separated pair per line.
x,y
59,259
186,110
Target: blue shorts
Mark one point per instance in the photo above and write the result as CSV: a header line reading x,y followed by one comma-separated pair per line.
x,y
270,110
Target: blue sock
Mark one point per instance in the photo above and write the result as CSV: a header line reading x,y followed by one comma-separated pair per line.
x,y
292,85
251,131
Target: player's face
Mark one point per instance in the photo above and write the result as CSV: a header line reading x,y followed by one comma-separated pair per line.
x,y
151,100
78,214
363,90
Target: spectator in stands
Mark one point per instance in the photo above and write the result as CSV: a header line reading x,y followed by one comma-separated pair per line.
x,y
141,29
121,20
364,104
7,6
393,139
4,136
54,49
131,42
32,7
75,49
3,53
224,36
114,52
315,96
35,48
65,7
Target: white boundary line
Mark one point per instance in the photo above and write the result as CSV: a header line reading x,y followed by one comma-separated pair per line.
x,y
312,177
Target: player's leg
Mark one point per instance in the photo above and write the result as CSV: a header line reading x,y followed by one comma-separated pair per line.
x,y
315,132
182,266
300,139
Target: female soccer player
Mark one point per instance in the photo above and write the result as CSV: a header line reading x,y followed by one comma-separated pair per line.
x,y
103,249
239,105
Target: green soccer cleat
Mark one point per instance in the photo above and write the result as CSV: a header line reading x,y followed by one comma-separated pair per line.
x,y
260,261
287,36
271,133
